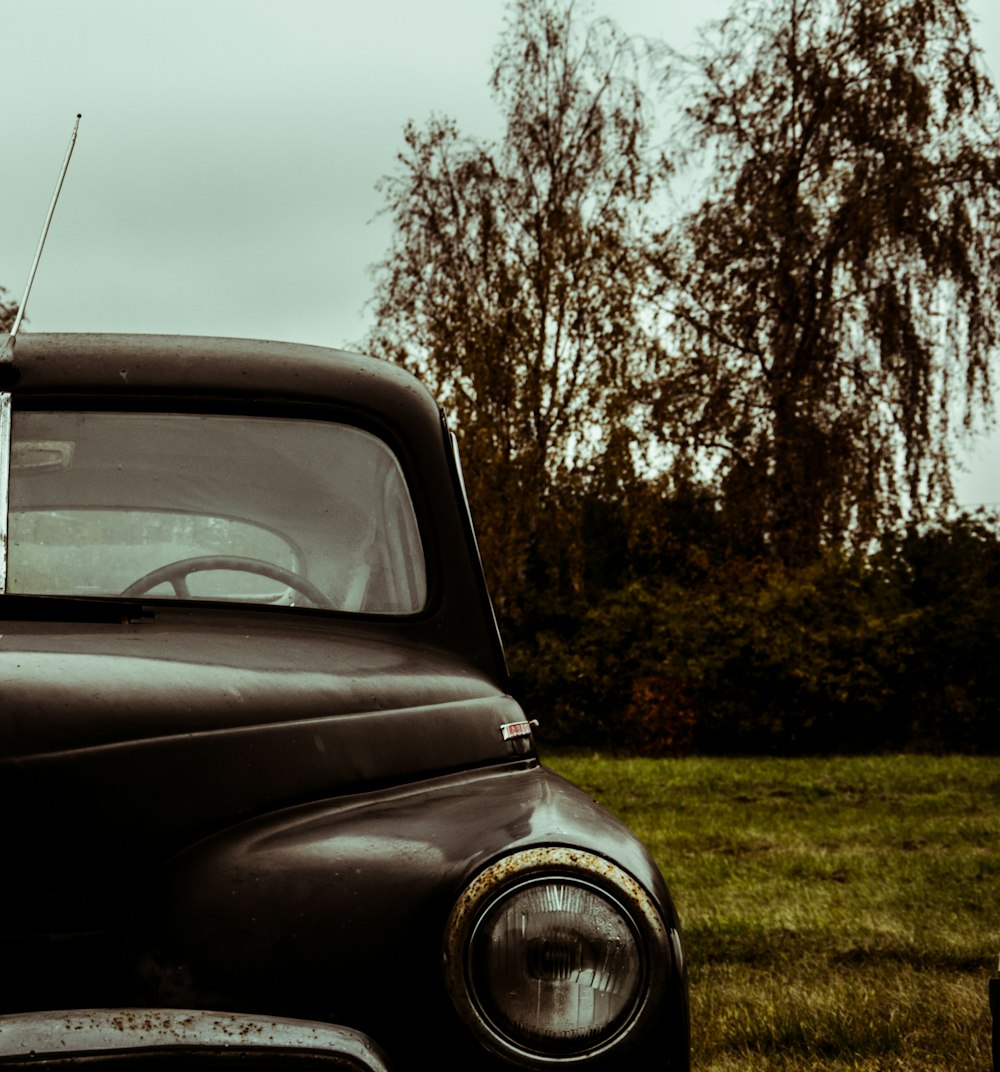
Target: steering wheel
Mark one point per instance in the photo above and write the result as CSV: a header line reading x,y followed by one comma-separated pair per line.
x,y
176,574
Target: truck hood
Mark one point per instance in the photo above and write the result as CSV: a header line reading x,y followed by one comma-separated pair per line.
x,y
76,686
121,744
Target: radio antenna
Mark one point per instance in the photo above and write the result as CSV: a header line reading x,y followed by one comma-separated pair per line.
x,y
7,352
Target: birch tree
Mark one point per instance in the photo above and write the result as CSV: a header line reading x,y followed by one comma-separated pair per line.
x,y
834,293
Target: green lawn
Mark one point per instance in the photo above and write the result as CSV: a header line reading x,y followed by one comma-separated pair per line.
x,y
839,913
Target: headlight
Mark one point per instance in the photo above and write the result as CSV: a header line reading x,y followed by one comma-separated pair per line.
x,y
552,955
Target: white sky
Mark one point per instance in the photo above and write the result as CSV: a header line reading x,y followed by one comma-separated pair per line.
x,y
224,178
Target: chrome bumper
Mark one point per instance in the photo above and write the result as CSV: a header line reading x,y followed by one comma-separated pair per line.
x,y
132,1039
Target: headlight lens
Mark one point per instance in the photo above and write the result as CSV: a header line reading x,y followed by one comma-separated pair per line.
x,y
549,955
555,964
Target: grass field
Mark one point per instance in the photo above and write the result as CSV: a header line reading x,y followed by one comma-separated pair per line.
x,y
839,913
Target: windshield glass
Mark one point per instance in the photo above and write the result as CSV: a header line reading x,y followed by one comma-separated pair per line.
x,y
253,509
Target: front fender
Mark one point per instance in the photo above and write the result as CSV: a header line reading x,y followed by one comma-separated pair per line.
x,y
336,910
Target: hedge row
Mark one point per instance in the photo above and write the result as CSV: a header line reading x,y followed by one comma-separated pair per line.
x,y
899,649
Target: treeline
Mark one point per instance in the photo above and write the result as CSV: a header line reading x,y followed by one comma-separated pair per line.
x,y
707,379
682,645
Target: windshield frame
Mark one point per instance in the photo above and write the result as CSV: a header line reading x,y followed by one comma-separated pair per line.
x,y
5,463
275,410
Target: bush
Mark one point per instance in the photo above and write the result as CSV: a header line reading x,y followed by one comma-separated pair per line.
x,y
849,654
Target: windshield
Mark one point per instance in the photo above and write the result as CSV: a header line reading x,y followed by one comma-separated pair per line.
x,y
252,509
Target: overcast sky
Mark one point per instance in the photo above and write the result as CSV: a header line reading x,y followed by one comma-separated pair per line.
x,y
224,178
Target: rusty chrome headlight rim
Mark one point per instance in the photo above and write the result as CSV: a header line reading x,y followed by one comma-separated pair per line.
x,y
623,909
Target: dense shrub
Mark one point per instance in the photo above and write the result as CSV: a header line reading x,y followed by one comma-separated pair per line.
x,y
949,577
894,650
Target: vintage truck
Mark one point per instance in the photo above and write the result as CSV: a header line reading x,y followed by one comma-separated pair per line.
x,y
258,753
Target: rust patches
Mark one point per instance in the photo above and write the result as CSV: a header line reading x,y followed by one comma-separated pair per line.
x,y
91,1031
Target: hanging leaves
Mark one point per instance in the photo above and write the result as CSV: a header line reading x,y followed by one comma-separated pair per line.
x,y
833,296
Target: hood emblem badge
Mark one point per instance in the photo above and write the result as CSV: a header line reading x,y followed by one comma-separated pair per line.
x,y
510,730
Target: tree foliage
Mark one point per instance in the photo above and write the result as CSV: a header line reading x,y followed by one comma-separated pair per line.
x,y
806,340
850,653
834,296
515,281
